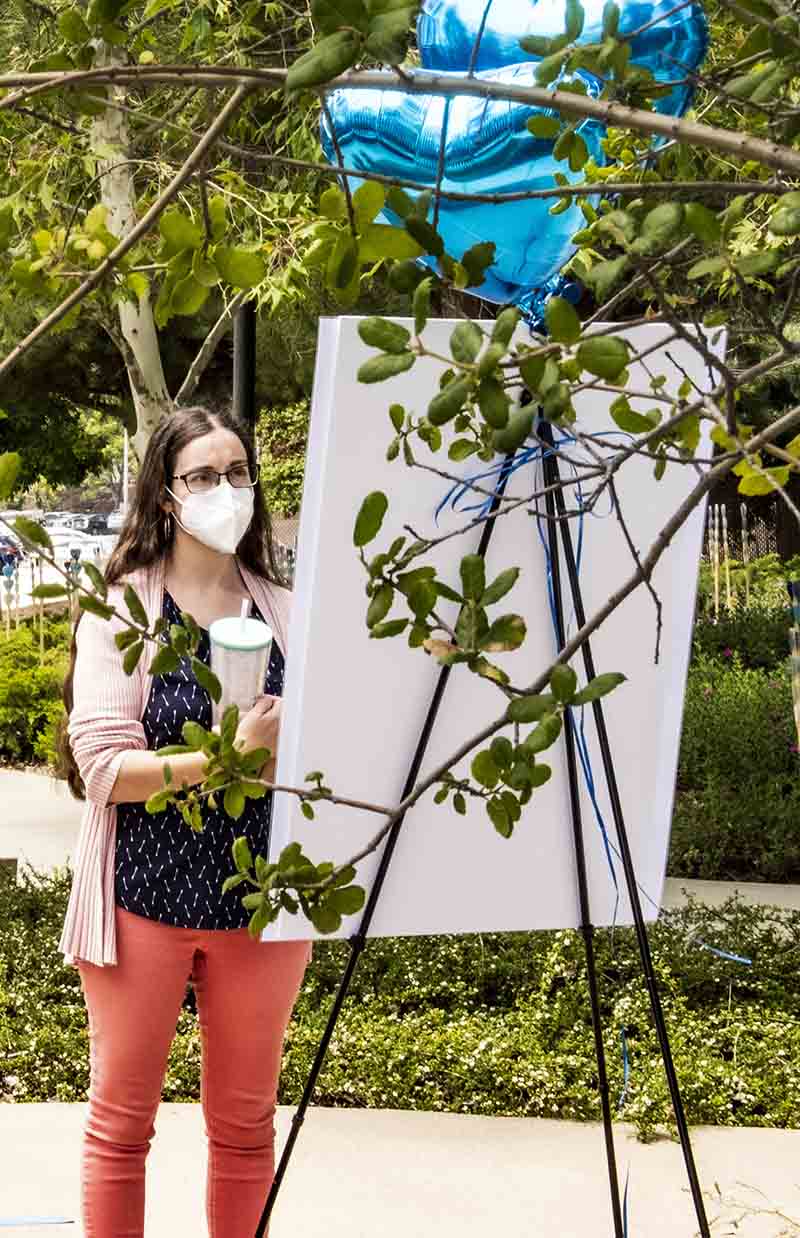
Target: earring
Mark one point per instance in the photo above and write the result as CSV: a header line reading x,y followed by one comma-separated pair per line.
x,y
167,527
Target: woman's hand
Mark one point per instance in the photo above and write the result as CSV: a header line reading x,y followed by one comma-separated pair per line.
x,y
259,727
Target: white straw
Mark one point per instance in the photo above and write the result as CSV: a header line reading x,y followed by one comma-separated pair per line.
x,y
244,611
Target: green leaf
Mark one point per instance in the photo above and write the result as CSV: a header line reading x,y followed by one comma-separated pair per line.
x,y
498,815
707,266
230,883
218,214
460,449
703,223
30,531
88,602
548,69
368,200
502,751
165,661
494,403
450,400
307,810
387,365
10,462
536,45
399,202
379,241
333,15
544,735
132,654
602,277
604,356
178,231
476,260
601,685
520,424
242,855
188,296
465,342
45,592
348,900
563,323
72,27
546,127
326,60
393,628
134,604
397,415
764,482
484,770
785,221
324,919
504,326
157,802
207,680
390,337
530,708
234,802
662,223
563,683
506,633
758,264
240,267
425,235
628,419
421,305
370,518
204,271
500,586
473,577
380,605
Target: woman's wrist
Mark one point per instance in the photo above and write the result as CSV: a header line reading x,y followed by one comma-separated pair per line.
x,y
141,774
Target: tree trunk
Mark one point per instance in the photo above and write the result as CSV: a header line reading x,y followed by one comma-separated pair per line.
x,y
109,142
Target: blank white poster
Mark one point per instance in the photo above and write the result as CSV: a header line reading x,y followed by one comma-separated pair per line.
x,y
354,707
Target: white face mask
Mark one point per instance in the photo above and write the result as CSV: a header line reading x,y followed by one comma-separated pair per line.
x,y
218,519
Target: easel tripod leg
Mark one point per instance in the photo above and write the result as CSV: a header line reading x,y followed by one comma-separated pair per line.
x,y
628,868
587,928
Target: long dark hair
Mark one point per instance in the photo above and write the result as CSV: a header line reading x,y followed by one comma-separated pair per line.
x,y
146,536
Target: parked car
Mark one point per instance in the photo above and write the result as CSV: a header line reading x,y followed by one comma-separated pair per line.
x,y
10,551
114,520
97,522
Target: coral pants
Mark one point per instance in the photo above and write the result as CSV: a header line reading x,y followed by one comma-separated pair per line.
x,y
245,992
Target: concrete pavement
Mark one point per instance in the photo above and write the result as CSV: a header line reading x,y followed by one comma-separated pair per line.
x,y
362,1174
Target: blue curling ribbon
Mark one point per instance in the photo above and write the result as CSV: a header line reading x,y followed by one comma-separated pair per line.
x,y
505,468
626,1068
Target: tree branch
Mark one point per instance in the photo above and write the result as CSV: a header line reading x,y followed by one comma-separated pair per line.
x,y
420,81
207,350
139,230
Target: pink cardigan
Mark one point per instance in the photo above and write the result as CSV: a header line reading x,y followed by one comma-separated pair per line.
x,y
105,723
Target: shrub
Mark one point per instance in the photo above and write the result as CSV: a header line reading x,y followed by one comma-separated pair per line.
x,y
738,725
30,693
489,1024
281,434
758,635
738,831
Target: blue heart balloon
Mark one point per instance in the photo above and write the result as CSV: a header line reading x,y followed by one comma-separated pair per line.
x,y
675,44
488,150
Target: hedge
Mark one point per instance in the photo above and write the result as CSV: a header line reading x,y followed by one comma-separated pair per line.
x,y
485,1024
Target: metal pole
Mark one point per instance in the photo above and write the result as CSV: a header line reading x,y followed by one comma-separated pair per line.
x,y
244,363
630,881
550,469
359,939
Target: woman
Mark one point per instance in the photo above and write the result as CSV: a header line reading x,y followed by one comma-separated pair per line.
x,y
146,912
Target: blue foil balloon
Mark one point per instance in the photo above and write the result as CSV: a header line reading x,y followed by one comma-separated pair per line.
x,y
488,150
675,44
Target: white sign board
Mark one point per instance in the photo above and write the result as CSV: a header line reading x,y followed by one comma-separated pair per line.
x,y
354,707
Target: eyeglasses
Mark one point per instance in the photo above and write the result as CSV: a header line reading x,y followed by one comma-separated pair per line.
x,y
201,481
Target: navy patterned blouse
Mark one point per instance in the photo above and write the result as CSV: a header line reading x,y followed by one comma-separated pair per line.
x,y
164,870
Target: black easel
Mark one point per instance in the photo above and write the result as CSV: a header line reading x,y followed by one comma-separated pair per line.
x,y
556,511
557,508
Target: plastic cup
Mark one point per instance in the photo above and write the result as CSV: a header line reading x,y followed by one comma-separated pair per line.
x,y
240,650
